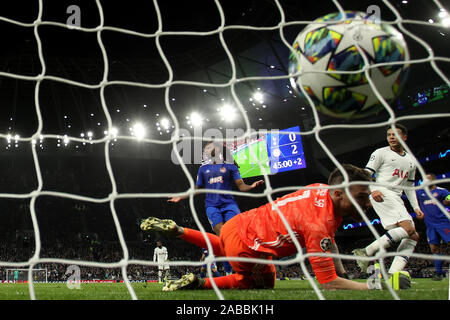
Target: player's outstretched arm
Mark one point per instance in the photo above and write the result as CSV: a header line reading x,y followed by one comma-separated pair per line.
x,y
344,284
325,271
242,186
178,199
340,270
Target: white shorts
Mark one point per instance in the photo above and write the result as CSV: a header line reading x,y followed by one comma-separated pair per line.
x,y
163,267
391,210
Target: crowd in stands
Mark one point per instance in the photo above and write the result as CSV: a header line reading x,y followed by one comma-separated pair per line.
x,y
112,253
82,231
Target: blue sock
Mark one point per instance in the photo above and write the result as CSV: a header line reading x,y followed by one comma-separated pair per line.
x,y
438,265
227,267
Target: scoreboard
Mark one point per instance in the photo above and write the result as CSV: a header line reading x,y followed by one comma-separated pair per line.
x,y
273,152
285,150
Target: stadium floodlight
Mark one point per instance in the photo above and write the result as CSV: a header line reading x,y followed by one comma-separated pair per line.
x,y
114,131
196,119
258,96
445,18
66,140
90,134
165,123
227,112
139,130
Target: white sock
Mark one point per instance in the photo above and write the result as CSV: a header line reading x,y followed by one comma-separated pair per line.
x,y
386,240
405,248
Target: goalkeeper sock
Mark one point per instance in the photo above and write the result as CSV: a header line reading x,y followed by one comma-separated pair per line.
x,y
390,237
405,248
438,264
196,237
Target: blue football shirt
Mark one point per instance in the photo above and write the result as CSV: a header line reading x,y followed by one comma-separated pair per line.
x,y
433,215
218,177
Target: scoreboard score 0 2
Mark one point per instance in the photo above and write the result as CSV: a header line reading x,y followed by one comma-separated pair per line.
x,y
285,150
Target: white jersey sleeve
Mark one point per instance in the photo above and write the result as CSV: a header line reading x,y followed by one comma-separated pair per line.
x,y
375,161
411,194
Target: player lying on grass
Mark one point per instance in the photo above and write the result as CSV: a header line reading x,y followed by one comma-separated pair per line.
x,y
314,216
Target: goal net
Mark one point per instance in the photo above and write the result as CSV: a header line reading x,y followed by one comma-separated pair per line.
x,y
21,275
109,108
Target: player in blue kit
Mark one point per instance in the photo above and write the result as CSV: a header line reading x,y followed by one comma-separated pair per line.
x,y
204,267
219,174
437,223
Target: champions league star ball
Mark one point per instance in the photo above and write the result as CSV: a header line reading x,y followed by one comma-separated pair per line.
x,y
328,44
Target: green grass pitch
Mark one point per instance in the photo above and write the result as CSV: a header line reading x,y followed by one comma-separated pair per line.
x,y
248,166
421,289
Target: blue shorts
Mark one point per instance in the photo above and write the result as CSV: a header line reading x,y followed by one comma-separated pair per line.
x,y
221,213
213,266
438,232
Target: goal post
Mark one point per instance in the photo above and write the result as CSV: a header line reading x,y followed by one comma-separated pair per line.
x,y
21,275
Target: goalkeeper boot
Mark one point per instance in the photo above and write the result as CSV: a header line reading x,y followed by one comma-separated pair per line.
x,y
161,225
362,264
188,281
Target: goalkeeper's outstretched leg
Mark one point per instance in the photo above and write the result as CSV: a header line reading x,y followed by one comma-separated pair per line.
x,y
255,234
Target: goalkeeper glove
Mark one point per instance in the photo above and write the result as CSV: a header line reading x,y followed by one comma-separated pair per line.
x,y
400,280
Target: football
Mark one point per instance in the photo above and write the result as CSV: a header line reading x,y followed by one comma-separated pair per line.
x,y
330,67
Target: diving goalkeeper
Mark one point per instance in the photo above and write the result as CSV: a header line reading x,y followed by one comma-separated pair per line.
x,y
314,215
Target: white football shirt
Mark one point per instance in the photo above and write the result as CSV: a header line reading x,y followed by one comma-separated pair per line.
x,y
160,254
394,170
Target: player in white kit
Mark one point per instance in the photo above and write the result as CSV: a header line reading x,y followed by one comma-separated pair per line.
x,y
394,167
160,254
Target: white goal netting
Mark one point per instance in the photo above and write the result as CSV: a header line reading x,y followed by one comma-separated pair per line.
x,y
434,60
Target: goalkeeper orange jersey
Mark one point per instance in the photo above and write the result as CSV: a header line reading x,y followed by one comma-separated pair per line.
x,y
313,222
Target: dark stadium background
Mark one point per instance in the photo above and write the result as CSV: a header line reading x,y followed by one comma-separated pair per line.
x,y
84,230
